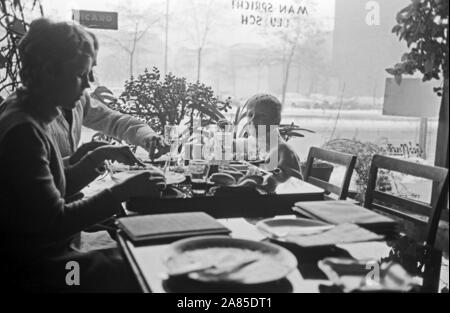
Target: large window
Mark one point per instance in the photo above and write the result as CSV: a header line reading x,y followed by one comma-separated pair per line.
x,y
324,59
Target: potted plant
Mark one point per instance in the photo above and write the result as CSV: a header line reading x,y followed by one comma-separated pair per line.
x,y
166,101
14,23
173,100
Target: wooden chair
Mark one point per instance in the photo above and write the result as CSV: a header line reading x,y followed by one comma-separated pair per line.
x,y
424,218
335,157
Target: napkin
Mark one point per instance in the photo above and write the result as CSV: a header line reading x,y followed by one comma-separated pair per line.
x,y
367,275
342,211
343,233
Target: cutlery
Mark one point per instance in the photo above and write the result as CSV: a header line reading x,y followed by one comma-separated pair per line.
x,y
167,164
251,165
307,231
109,168
195,267
199,267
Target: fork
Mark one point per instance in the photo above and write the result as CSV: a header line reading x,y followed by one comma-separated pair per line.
x,y
109,168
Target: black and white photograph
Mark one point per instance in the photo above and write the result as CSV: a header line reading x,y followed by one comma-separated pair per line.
x,y
227,152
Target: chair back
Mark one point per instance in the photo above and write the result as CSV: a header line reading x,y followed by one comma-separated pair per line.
x,y
419,213
423,217
334,157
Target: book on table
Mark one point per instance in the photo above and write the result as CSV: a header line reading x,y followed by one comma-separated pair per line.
x,y
144,228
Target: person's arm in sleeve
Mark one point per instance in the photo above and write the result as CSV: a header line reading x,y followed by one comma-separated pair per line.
x,y
39,207
80,174
115,124
289,163
288,166
66,161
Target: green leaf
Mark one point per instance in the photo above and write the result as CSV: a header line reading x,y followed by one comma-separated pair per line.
x,y
396,29
3,61
222,123
17,27
208,122
428,66
217,112
294,134
391,71
243,115
405,57
236,117
243,131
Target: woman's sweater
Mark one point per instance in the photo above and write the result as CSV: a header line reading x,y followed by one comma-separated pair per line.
x,y
35,220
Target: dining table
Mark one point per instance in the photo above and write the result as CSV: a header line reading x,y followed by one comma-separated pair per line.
x,y
240,213
242,203
148,263
239,203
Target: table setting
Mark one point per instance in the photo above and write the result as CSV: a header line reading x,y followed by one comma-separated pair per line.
x,y
194,238
205,159
288,254
221,188
250,259
203,183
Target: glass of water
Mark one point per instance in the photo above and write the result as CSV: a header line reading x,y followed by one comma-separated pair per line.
x,y
171,136
199,171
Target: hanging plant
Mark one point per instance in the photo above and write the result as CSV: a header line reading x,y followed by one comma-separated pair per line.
x,y
14,25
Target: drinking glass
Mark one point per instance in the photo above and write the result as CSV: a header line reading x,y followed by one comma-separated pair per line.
x,y
171,136
199,170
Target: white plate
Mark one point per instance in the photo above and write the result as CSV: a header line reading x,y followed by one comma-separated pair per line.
x,y
239,167
272,262
279,228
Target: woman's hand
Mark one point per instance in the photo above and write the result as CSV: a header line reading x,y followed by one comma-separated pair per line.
x,y
85,149
156,146
270,183
121,154
150,184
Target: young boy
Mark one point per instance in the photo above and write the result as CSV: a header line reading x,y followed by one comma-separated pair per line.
x,y
264,114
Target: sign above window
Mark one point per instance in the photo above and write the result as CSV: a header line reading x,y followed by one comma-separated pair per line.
x,y
266,13
96,19
411,98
